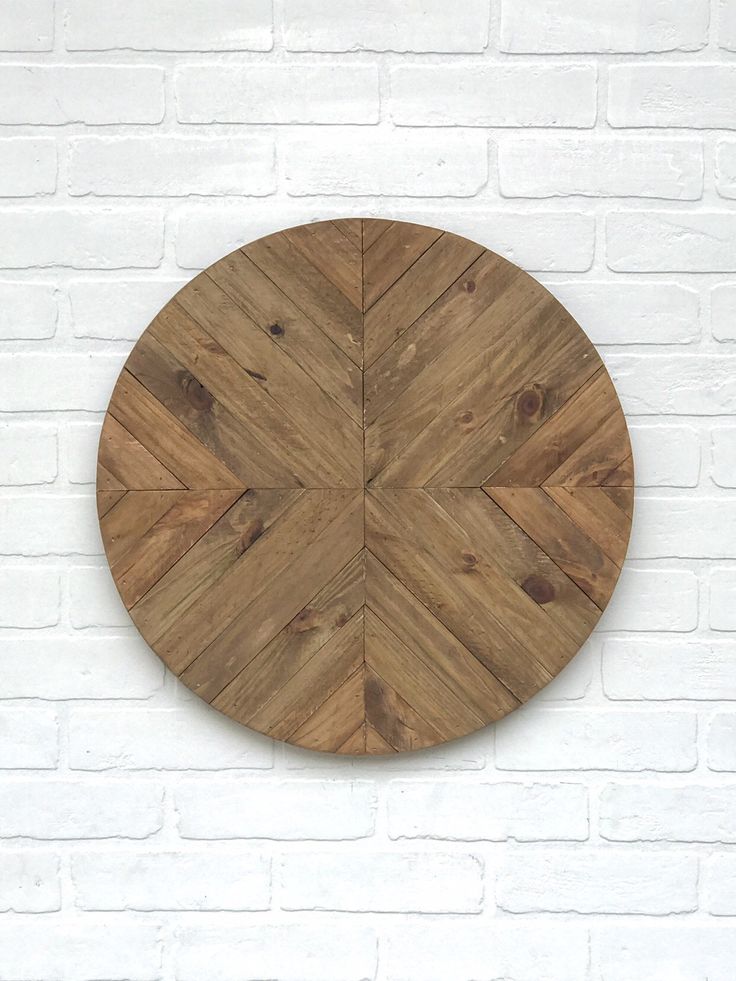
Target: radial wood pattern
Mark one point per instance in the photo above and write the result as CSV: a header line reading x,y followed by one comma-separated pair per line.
x,y
365,486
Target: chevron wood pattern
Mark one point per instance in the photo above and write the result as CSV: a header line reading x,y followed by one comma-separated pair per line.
x,y
365,486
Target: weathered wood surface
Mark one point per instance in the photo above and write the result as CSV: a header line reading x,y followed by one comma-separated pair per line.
x,y
365,486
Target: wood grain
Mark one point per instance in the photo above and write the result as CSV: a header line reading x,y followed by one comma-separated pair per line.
x,y
365,486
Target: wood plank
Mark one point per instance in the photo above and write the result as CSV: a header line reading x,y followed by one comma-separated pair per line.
x,y
573,551
166,541
450,601
598,458
623,498
292,390
106,501
522,560
433,644
596,515
295,643
375,744
548,447
351,228
489,290
416,291
385,655
373,229
288,327
197,570
322,675
332,724
167,438
395,721
391,256
277,599
130,462
126,523
324,245
311,292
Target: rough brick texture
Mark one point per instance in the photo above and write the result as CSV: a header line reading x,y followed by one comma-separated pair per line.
x,y
589,837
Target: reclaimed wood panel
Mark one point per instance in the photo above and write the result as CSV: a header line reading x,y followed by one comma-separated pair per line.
x,y
365,486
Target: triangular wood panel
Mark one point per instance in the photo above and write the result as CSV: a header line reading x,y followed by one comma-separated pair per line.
x,y
365,486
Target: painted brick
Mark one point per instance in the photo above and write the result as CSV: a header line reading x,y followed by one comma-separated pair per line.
x,y
610,881
28,453
29,27
723,599
653,599
53,95
169,25
722,742
79,667
327,810
601,167
490,812
671,241
333,93
726,169
727,25
449,95
720,884
674,384
28,311
174,166
29,739
193,738
640,812
626,26
58,381
176,881
27,167
724,456
668,669
723,313
458,950
287,951
29,883
78,456
384,25
93,599
30,596
663,954
553,739
695,528
81,238
118,309
415,164
694,96
665,455
69,949
538,241
631,312
382,883
71,810
49,526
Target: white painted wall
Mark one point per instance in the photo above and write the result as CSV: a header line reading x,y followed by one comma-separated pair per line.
x,y
592,836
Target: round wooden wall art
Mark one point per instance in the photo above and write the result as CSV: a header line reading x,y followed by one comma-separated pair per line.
x,y
365,486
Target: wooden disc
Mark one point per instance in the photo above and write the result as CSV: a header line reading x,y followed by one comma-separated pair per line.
x,y
365,486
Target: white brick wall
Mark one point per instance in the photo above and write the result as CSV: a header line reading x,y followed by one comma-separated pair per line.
x,y
590,837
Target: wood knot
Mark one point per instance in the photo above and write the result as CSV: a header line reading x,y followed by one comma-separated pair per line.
x,y
540,590
469,560
470,286
256,375
304,621
276,330
197,394
466,417
530,402
251,534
